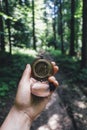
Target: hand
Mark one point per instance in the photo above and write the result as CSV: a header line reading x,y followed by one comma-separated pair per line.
x,y
28,87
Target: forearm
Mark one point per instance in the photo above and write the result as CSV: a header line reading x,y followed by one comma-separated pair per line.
x,y
16,120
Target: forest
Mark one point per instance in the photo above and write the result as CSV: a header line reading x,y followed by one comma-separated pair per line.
x,y
59,28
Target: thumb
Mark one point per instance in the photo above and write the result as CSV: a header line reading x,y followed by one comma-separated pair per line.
x,y
27,73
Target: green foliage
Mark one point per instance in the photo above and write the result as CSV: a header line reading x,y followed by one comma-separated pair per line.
x,y
22,27
7,17
82,77
11,68
78,12
71,67
53,52
20,16
3,89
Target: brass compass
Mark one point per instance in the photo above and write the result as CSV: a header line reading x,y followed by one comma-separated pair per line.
x,y
42,69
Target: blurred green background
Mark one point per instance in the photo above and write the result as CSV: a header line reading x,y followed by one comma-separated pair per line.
x,y
55,26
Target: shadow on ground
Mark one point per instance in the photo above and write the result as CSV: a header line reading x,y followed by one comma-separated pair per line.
x,y
54,117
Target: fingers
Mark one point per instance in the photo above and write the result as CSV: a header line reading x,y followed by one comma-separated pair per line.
x,y
55,67
53,80
53,84
27,73
44,89
40,89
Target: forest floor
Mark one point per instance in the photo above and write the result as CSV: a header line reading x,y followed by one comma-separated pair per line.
x,y
67,109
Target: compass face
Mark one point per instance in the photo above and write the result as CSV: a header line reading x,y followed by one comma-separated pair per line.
x,y
42,69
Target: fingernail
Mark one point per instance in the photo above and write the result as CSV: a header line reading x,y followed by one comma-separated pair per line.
x,y
27,66
56,83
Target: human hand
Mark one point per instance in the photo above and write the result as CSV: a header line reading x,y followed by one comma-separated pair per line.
x,y
29,89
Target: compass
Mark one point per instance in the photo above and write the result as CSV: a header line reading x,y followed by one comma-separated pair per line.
x,y
42,69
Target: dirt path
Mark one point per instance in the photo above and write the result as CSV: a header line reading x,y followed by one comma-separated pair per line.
x,y
75,102
67,109
55,116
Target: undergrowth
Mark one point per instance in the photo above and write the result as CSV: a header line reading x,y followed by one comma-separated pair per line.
x,y
71,66
11,69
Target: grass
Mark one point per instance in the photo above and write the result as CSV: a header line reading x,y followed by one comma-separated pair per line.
x,y
11,68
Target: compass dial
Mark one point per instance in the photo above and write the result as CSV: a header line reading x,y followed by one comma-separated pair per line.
x,y
42,69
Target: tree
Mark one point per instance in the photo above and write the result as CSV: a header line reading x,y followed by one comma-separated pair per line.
x,y
54,23
33,25
8,25
61,26
84,35
72,24
2,42
78,26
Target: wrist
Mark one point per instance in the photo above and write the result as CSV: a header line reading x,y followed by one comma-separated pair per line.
x,y
16,119
27,111
22,114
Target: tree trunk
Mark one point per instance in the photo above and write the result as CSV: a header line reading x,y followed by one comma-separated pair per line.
x,y
72,35
33,20
8,26
54,29
54,34
84,35
61,28
54,23
2,42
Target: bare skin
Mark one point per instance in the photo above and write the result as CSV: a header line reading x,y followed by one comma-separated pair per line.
x,y
31,98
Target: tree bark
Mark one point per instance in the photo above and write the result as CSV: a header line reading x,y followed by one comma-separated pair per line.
x,y
8,26
72,35
61,28
84,36
33,20
2,42
54,23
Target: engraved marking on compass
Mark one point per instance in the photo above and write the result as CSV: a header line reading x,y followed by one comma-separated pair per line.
x,y
42,69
